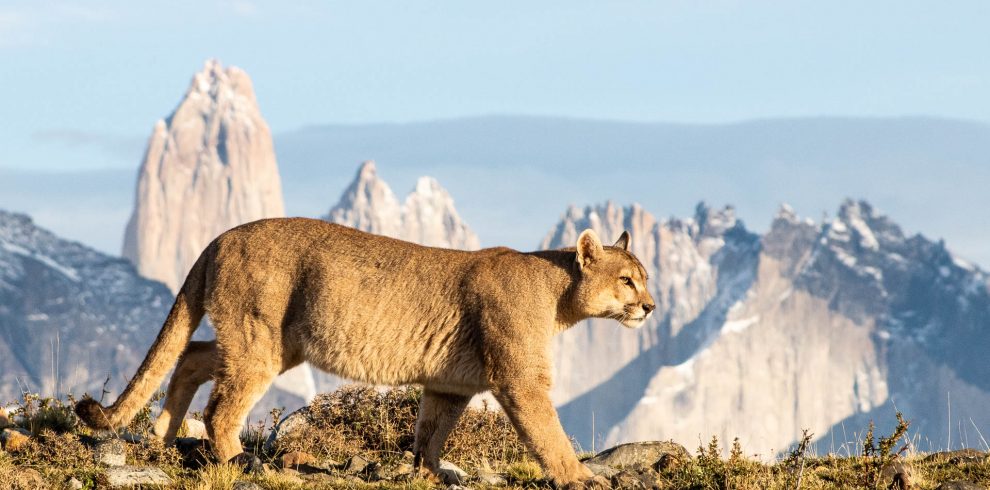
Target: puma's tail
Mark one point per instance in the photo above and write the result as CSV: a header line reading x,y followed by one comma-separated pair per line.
x,y
182,321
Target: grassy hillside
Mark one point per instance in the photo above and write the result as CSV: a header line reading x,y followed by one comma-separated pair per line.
x,y
359,438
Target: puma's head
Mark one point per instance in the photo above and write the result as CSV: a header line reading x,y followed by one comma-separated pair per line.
x,y
613,281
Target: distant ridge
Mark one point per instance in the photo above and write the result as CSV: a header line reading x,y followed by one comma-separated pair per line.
x,y
820,326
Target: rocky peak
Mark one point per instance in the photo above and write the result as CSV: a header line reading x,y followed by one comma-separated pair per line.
x,y
368,204
609,221
429,218
428,215
714,223
209,166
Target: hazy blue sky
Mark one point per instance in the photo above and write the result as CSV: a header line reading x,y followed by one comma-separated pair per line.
x,y
83,82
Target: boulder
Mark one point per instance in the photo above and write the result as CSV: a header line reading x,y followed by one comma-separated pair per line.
x,y
968,455
635,454
602,470
129,476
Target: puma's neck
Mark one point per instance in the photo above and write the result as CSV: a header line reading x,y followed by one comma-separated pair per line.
x,y
561,274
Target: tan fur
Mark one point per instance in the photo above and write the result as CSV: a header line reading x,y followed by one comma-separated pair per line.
x,y
283,291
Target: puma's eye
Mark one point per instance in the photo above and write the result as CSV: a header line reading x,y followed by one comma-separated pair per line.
x,y
625,280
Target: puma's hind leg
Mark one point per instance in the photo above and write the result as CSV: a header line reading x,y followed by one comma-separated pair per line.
x,y
240,382
438,414
196,366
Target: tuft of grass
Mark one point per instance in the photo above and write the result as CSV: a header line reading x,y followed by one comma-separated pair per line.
x,y
38,414
216,477
524,473
878,454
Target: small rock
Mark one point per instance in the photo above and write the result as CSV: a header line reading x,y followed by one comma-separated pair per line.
x,y
298,420
193,428
29,478
246,485
456,487
376,472
14,439
130,437
898,474
127,476
450,474
408,456
959,485
602,470
195,453
73,484
248,461
318,478
491,478
296,458
4,420
403,469
110,452
645,454
356,464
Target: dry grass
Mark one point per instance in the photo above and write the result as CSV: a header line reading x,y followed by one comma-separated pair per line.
x,y
379,426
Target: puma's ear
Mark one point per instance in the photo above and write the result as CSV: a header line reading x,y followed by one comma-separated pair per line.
x,y
623,241
589,248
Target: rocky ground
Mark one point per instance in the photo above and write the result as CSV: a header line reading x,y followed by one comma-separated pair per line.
x,y
359,438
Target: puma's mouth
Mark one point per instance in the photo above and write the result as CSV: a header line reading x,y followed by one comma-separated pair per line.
x,y
634,322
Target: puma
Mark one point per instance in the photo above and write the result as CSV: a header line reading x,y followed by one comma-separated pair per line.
x,y
283,291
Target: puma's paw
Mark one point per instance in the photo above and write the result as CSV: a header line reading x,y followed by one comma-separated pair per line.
x,y
593,483
597,482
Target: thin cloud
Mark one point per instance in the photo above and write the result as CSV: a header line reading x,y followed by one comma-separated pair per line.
x,y
29,24
126,148
243,8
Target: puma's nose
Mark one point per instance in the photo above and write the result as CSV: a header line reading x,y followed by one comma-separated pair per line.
x,y
648,307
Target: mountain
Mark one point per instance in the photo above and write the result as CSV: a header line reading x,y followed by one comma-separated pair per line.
x,y
70,317
819,326
208,167
427,217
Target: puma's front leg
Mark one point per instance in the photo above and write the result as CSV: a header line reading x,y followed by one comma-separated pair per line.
x,y
438,414
527,403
